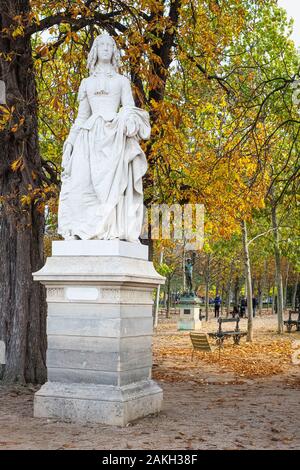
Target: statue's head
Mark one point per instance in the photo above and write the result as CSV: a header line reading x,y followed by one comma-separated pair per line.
x,y
104,49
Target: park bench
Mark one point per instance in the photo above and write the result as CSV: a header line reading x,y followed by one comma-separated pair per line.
x,y
290,322
221,335
200,342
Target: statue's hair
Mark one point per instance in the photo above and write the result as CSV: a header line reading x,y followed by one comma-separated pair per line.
x,y
93,54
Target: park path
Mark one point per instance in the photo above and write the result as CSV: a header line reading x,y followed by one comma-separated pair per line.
x,y
206,405
256,414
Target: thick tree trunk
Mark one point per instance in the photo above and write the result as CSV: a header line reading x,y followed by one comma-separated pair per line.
x,y
277,255
248,282
261,288
22,301
260,296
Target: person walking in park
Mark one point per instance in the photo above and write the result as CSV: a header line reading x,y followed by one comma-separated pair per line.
x,y
217,302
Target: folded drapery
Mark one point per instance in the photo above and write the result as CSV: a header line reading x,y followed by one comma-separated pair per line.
x,y
102,196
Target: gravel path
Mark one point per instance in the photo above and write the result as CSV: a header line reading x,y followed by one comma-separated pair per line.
x,y
205,409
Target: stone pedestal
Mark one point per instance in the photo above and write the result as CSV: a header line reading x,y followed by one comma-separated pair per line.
x,y
99,327
189,318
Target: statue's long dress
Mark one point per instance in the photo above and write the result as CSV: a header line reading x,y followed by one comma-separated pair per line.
x,y
102,198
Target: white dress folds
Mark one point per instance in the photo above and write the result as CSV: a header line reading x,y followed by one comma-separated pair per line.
x,y
102,194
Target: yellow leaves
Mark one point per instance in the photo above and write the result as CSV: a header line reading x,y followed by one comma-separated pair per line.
x,y
71,35
14,128
17,164
34,17
253,359
56,104
7,111
18,125
75,36
153,5
50,189
41,207
263,358
19,31
25,200
42,51
5,116
40,196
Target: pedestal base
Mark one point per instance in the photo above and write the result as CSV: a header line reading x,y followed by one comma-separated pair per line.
x,y
92,403
99,330
189,324
189,318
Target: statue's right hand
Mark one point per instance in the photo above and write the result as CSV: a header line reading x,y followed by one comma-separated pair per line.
x,y
67,153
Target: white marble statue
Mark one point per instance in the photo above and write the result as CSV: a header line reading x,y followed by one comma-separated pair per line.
x,y
103,164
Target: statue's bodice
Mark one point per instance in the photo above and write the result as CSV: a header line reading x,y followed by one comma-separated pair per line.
x,y
103,95
100,95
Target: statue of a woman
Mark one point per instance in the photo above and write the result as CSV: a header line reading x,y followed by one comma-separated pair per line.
x,y
103,164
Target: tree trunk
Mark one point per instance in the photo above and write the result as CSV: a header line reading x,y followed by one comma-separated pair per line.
x,y
156,310
229,287
278,270
165,298
261,288
273,300
222,297
22,301
260,296
286,285
169,296
253,286
248,282
236,291
207,283
268,294
295,292
183,267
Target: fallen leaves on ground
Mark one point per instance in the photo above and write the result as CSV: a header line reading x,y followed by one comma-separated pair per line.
x,y
172,358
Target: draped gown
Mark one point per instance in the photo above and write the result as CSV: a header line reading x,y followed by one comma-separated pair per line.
x,y
102,195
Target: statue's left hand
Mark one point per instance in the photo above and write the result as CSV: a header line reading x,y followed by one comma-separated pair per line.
x,y
131,127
